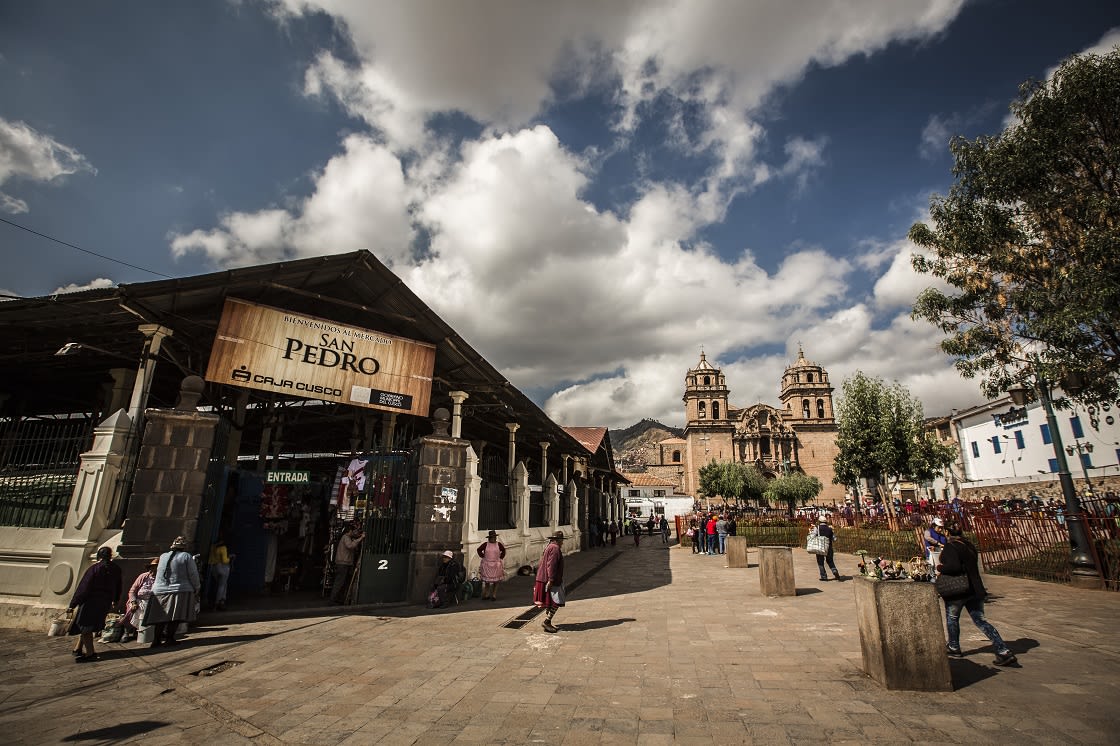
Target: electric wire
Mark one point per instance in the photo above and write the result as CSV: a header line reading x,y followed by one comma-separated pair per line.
x,y
87,251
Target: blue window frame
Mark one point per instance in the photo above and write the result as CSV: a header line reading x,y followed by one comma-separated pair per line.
x,y
995,444
975,449
1075,424
1086,460
1054,465
1019,440
1045,434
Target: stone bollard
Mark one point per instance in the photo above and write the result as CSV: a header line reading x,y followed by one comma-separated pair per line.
x,y
775,571
737,551
902,634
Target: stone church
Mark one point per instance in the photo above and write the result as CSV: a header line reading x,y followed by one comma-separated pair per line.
x,y
799,434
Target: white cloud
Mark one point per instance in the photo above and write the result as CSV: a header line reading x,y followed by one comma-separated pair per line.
x,y
360,202
935,137
11,205
26,153
99,283
606,306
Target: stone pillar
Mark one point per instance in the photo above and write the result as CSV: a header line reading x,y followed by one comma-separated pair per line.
x,y
775,571
457,399
388,429
573,505
441,483
123,381
519,496
90,510
153,338
170,481
737,551
902,635
471,531
237,427
511,462
544,461
552,503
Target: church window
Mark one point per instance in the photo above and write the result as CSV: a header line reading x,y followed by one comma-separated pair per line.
x,y
820,408
703,411
805,409
809,377
715,410
707,380
676,457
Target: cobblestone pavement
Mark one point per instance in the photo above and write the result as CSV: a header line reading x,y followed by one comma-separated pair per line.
x,y
657,645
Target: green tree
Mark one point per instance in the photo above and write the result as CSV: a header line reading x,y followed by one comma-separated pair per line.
x,y
793,489
732,481
754,484
880,436
1028,238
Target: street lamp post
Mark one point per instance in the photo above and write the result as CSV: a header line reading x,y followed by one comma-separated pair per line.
x,y
1083,570
1081,449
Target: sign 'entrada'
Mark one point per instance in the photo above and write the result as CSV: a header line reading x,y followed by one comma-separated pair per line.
x,y
273,350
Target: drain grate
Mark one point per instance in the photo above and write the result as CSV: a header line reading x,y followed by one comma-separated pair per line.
x,y
528,615
216,668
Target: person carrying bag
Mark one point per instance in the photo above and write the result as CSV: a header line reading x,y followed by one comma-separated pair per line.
x,y
959,559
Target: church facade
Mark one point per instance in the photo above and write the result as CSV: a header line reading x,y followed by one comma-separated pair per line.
x,y
799,434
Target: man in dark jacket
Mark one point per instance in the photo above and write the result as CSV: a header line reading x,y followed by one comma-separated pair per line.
x,y
959,557
823,529
449,577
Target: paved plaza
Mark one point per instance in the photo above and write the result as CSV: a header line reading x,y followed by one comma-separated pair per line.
x,y
657,645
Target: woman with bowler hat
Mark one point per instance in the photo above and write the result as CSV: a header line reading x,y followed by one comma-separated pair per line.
x,y
548,590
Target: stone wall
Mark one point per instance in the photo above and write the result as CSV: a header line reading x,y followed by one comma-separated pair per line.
x,y
167,491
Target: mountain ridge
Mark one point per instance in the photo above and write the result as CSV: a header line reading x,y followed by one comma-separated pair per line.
x,y
635,447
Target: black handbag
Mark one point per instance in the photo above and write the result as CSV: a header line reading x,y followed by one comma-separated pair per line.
x,y
952,586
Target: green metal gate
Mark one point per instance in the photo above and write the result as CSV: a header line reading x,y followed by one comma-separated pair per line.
x,y
387,517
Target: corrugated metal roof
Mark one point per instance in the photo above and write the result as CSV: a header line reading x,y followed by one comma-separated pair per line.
x,y
589,437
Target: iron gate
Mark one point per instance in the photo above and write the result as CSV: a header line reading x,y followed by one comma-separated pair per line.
x,y
387,509
39,461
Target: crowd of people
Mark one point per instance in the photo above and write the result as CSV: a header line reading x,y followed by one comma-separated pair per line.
x,y
709,532
161,599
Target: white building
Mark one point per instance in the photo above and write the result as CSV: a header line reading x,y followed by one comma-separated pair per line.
x,y
1002,444
649,494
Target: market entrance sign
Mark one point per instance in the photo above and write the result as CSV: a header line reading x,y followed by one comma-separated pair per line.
x,y
268,349
288,477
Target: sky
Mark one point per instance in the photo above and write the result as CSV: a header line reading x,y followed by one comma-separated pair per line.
x,y
589,192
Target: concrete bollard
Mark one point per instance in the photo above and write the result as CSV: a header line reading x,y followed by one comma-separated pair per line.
x,y
775,571
736,551
902,634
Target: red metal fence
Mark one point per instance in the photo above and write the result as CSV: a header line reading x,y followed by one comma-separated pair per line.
x,y
1024,544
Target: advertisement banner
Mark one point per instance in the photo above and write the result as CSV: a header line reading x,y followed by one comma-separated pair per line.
x,y
268,349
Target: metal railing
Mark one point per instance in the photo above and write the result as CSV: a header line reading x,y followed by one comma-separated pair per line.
x,y
39,461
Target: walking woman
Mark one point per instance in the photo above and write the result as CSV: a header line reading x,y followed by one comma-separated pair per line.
x,y
960,558
548,590
492,568
174,594
97,594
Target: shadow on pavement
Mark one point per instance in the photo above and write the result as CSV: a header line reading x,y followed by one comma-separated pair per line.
x,y
114,733
1022,645
808,591
187,643
596,624
966,673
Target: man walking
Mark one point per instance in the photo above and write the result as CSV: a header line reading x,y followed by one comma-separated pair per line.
x,y
664,530
344,556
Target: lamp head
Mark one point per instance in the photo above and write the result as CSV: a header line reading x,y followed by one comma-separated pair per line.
x,y
1073,383
1019,394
